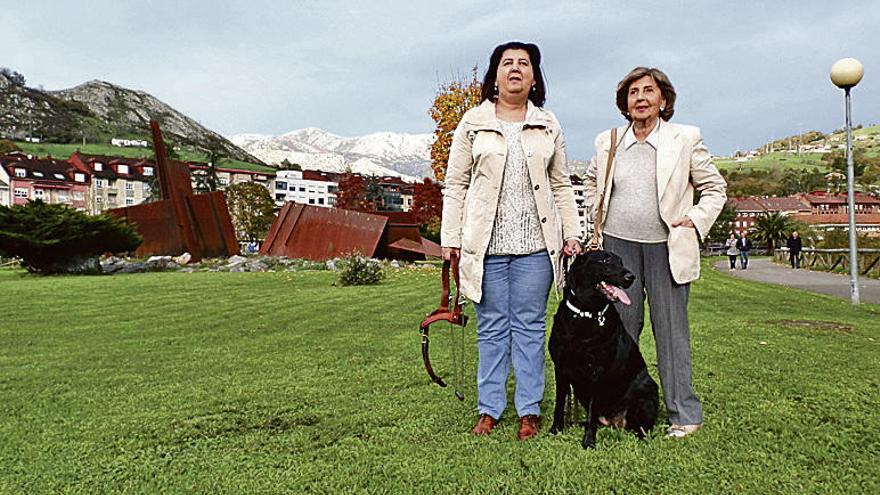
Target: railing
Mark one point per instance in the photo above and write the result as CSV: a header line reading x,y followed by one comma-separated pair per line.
x,y
831,260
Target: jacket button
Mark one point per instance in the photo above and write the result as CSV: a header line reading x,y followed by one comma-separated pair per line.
x,y
544,220
537,186
529,154
552,253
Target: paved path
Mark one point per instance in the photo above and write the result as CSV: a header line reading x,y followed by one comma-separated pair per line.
x,y
834,284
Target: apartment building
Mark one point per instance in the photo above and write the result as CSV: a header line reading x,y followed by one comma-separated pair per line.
x,y
52,181
309,187
116,182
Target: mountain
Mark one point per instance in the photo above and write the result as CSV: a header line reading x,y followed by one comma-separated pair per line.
x,y
382,153
98,111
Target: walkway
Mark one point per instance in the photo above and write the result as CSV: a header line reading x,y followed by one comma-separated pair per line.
x,y
834,284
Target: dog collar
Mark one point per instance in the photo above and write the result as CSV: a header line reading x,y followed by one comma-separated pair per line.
x,y
599,316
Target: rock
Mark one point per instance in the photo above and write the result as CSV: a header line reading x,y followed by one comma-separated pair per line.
x,y
172,266
257,266
183,259
83,266
394,264
236,259
331,265
187,270
159,261
136,267
237,268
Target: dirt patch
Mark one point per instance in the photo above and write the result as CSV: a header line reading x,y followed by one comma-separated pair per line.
x,y
825,326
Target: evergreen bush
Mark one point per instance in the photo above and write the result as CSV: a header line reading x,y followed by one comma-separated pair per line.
x,y
357,269
53,238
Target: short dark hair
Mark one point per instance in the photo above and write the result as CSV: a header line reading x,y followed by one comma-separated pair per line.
x,y
539,95
662,80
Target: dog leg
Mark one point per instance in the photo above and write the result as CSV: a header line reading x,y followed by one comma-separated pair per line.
x,y
562,390
590,428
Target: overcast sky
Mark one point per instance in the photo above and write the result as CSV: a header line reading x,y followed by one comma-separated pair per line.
x,y
744,71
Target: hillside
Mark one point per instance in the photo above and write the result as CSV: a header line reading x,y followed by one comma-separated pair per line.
x,y
97,111
781,154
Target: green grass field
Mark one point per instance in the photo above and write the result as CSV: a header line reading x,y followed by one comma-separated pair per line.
x,y
285,383
63,151
777,160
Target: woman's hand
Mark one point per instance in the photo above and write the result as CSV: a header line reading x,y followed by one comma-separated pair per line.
x,y
572,247
449,252
684,222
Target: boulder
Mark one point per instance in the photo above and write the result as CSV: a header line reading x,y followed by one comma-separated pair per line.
x,y
183,259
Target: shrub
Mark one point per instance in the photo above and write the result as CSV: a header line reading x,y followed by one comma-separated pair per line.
x,y
52,238
357,269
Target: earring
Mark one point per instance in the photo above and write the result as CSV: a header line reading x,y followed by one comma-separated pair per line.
x,y
496,88
534,88
662,108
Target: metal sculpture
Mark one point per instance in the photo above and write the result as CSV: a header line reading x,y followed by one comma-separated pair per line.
x,y
181,221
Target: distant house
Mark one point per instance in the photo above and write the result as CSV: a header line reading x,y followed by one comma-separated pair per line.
x,y
5,199
115,181
228,175
308,187
140,143
580,200
47,179
820,209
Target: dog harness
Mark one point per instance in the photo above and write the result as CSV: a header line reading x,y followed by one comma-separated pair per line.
x,y
599,316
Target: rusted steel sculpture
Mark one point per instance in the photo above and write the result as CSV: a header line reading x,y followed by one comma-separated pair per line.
x,y
181,221
316,233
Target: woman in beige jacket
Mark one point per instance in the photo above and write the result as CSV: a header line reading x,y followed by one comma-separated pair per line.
x,y
652,222
509,214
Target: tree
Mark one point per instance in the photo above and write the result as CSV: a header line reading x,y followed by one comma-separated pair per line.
x,y
286,165
723,225
427,201
771,228
54,238
452,101
16,78
374,195
352,194
7,147
207,180
252,210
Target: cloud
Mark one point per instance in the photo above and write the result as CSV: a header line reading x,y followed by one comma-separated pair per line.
x,y
745,72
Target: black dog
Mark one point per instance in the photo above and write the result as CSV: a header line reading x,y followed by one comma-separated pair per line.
x,y
593,353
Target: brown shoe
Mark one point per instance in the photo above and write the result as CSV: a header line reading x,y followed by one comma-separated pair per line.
x,y
484,425
528,426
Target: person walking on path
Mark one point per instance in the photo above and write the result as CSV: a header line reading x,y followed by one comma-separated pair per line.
x,y
744,245
509,212
650,220
794,245
732,251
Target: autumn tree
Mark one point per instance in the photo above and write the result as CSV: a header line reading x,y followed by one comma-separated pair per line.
x,y
252,210
427,201
352,193
452,101
427,207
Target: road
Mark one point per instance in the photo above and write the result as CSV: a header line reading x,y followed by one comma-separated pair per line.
x,y
834,284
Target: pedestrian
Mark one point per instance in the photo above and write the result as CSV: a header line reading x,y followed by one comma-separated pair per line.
x,y
651,222
744,245
732,251
509,212
794,245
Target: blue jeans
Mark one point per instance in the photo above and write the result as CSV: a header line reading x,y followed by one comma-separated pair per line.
x,y
511,326
744,257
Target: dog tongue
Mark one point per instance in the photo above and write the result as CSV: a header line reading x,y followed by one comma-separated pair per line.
x,y
619,294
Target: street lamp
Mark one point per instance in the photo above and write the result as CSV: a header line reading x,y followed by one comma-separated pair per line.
x,y
845,74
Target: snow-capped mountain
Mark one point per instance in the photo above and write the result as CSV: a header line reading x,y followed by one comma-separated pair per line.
x,y
383,153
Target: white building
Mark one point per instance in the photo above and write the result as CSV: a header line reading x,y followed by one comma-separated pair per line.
x,y
309,187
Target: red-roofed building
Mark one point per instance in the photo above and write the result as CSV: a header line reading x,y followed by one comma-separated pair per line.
x,y
115,181
819,209
47,179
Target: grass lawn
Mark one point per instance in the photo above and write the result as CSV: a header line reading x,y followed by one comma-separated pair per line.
x,y
63,151
284,383
777,160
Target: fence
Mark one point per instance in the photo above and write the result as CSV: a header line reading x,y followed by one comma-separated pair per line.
x,y
830,260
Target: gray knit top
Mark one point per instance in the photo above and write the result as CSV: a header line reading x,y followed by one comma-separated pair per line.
x,y
517,229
